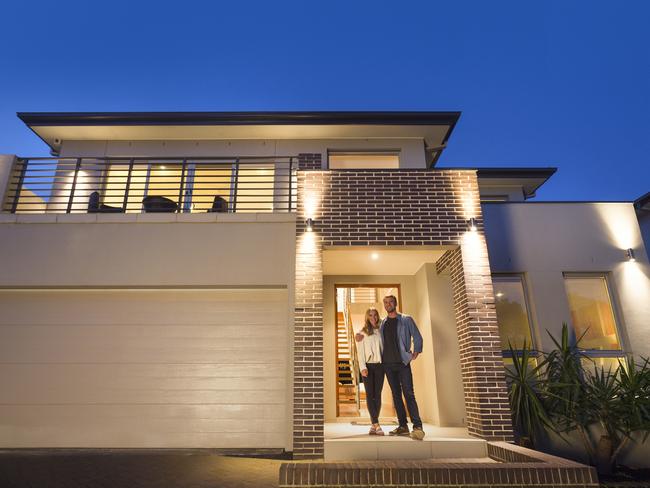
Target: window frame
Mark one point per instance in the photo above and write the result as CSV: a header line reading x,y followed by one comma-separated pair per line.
x,y
529,313
362,152
613,303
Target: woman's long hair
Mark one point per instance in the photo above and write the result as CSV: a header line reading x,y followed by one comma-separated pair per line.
x,y
368,329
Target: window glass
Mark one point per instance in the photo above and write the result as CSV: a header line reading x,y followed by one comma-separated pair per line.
x,y
512,311
255,188
363,160
591,312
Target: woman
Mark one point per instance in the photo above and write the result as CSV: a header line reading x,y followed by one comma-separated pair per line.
x,y
369,353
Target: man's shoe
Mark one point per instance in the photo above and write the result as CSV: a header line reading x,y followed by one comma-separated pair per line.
x,y
417,434
403,431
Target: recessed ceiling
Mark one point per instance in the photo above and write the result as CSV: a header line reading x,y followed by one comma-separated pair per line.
x,y
372,261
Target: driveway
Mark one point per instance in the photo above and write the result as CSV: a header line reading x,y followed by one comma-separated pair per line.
x,y
113,469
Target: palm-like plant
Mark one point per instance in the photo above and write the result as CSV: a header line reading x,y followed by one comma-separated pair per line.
x,y
631,408
565,398
524,379
576,399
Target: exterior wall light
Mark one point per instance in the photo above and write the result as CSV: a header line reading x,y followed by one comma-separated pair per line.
x,y
471,224
310,224
629,254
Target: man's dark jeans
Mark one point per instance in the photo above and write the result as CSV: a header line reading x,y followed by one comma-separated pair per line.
x,y
400,380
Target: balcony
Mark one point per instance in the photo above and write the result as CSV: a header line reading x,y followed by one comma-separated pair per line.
x,y
137,185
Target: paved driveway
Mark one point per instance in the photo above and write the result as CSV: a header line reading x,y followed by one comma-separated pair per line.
x,y
134,470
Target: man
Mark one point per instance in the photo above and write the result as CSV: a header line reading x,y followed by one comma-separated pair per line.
x,y
398,331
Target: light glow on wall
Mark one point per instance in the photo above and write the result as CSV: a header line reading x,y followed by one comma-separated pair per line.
x,y
312,203
621,224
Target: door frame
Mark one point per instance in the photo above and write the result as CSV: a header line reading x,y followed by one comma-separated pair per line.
x,y
336,342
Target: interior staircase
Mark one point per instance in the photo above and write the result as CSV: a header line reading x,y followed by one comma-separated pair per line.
x,y
346,384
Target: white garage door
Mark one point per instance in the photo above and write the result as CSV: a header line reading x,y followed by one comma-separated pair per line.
x,y
144,368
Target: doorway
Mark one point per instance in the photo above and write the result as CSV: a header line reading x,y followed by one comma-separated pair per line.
x,y
351,302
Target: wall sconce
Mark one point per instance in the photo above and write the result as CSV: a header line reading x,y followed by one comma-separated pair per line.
x,y
471,224
310,224
629,254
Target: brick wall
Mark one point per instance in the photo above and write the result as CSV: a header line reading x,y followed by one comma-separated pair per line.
x,y
393,207
308,398
396,208
481,364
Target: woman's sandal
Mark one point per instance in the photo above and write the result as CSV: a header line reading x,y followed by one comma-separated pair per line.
x,y
378,431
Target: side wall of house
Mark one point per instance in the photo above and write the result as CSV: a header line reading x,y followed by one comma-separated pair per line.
x,y
544,240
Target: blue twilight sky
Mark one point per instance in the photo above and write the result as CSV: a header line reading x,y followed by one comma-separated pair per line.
x,y
563,83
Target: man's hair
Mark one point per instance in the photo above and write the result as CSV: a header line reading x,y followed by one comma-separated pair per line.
x,y
393,298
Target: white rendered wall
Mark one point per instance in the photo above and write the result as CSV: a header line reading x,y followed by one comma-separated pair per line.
x,y
543,240
147,250
6,167
248,252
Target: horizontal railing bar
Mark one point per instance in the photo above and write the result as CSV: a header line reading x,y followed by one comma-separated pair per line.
x,y
268,159
63,185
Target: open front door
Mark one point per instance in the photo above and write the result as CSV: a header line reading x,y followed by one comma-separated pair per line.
x,y
352,301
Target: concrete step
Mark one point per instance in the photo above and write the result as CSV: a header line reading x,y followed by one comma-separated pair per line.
x,y
390,447
403,448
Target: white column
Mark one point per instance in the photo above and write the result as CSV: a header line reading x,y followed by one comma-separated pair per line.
x,y
7,162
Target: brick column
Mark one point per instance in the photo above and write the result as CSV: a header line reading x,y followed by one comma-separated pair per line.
x,y
486,394
308,396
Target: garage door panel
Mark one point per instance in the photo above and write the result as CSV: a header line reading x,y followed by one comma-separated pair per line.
x,y
73,395
26,415
133,374
112,336
14,388
112,351
137,306
144,368
241,335
157,426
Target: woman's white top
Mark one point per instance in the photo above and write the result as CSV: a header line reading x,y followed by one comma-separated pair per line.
x,y
369,349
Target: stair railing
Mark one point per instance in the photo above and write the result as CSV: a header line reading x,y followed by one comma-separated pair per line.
x,y
354,359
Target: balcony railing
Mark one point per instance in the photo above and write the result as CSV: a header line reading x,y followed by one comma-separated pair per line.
x,y
134,185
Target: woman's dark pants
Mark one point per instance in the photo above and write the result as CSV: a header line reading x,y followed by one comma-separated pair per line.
x,y
374,383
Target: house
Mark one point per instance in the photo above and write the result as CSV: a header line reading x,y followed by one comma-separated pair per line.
x,y
194,280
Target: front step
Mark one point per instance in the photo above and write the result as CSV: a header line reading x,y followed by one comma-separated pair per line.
x,y
390,447
505,465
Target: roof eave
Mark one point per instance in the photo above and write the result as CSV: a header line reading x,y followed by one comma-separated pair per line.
x,y
238,118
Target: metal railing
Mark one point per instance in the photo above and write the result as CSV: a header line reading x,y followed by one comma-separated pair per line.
x,y
134,185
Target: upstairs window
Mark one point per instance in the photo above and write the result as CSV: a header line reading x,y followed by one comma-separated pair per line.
x,y
363,159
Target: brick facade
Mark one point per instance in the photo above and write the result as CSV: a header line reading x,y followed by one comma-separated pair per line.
x,y
481,364
308,398
407,207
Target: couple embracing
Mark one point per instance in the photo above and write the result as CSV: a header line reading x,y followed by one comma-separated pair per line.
x,y
384,348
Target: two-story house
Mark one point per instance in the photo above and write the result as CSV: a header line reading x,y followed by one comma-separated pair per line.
x,y
196,279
